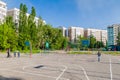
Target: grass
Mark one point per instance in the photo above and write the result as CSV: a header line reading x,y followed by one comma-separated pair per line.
x,y
116,53
79,52
28,51
111,52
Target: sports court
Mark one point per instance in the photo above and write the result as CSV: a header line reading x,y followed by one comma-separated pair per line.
x,y
60,67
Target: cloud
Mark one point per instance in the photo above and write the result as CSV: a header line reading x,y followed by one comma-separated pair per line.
x,y
98,7
92,5
99,12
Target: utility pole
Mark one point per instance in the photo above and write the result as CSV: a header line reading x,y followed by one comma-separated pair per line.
x,y
30,50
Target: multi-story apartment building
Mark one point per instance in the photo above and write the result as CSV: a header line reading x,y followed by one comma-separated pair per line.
x,y
3,10
15,14
118,29
104,37
100,35
74,33
113,33
64,31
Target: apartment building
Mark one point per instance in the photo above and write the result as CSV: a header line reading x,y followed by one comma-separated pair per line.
x,y
74,33
15,14
104,36
3,10
100,35
118,29
113,31
64,31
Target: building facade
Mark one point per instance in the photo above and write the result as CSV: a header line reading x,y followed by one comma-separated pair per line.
x,y
74,33
100,35
3,11
113,31
64,31
15,14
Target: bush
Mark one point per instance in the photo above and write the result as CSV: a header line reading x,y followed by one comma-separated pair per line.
x,y
111,52
80,52
28,51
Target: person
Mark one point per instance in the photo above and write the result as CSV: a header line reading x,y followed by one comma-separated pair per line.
x,y
18,54
8,52
15,54
99,55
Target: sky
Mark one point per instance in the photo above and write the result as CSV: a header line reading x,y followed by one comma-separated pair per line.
x,y
82,13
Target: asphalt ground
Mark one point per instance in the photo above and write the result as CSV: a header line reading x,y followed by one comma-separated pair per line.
x,y
59,67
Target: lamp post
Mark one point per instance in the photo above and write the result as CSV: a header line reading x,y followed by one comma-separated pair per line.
x,y
29,44
42,42
30,50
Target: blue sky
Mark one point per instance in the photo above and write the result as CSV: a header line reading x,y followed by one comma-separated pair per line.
x,y
84,13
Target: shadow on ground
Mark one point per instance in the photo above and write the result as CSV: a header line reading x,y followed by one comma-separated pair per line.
x,y
5,78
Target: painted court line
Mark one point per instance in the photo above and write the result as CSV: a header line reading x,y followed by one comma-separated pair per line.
x,y
62,73
29,73
85,73
24,67
59,77
111,75
32,73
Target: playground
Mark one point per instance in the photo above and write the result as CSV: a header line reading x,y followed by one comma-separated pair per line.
x,y
49,66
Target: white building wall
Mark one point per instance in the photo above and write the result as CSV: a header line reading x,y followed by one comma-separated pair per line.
x,y
75,32
3,11
64,31
100,35
15,14
104,36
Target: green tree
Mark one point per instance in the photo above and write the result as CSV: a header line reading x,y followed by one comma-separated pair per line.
x,y
92,41
22,18
9,22
52,35
32,29
7,37
57,40
97,44
40,40
65,43
80,39
23,27
102,44
14,37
